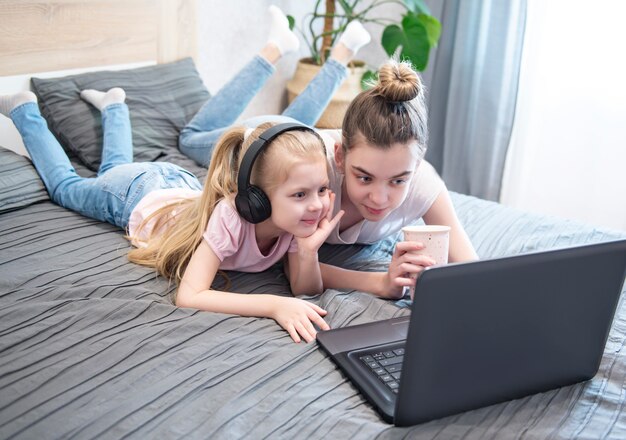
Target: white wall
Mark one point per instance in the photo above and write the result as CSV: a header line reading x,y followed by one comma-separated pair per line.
x,y
231,32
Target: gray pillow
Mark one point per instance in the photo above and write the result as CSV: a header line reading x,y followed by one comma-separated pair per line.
x,y
161,99
20,184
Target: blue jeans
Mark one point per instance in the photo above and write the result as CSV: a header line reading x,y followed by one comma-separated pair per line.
x,y
222,110
120,183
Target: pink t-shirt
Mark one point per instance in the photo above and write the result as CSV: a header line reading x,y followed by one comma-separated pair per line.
x,y
149,204
234,241
231,238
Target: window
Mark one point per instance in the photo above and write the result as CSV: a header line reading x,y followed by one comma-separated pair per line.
x,y
567,155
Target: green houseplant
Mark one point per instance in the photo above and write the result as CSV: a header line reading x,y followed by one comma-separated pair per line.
x,y
410,38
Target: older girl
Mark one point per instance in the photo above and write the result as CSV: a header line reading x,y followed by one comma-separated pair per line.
x,y
383,182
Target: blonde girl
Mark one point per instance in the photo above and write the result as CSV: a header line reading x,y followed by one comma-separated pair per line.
x,y
188,233
190,239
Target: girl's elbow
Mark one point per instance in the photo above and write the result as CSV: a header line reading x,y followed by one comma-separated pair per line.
x,y
309,291
319,290
179,302
296,291
182,300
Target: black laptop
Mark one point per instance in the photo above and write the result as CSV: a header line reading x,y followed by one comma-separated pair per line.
x,y
486,332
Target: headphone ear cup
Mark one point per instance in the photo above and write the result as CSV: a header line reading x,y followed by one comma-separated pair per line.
x,y
243,206
260,206
251,202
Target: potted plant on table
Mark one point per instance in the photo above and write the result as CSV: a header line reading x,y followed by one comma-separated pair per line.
x,y
411,38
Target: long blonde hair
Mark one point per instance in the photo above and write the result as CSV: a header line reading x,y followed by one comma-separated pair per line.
x,y
176,236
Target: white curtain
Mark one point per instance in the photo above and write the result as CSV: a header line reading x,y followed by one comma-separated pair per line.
x,y
567,155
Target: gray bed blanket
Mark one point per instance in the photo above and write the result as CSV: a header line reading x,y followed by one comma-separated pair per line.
x,y
91,345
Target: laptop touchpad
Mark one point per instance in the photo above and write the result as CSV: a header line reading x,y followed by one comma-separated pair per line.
x,y
366,335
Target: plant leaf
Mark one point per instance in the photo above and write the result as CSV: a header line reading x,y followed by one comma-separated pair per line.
x,y
432,26
292,22
417,6
345,6
392,37
416,47
369,79
412,38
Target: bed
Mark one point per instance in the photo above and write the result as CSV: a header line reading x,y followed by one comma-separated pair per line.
x,y
91,345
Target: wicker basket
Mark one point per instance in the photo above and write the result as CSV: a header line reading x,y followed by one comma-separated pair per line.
x,y
333,116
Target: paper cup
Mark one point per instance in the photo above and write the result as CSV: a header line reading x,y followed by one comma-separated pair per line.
x,y
436,240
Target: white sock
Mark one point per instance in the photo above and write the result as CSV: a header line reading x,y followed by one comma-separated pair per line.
x,y
100,100
280,34
9,102
355,36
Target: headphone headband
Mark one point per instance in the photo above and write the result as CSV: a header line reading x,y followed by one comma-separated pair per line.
x,y
251,202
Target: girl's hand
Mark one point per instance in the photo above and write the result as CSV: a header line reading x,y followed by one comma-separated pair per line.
x,y
404,268
326,225
297,317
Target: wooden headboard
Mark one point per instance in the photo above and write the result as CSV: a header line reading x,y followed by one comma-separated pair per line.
x,y
40,36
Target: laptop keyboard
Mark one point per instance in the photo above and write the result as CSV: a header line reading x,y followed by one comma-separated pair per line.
x,y
386,365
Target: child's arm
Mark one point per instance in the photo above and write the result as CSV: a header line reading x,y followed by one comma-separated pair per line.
x,y
294,315
304,271
384,284
389,284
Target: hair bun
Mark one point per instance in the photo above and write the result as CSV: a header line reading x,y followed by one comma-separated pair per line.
x,y
397,81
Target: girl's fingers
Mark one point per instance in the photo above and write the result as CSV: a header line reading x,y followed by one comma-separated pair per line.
x,y
404,269
401,248
293,333
303,332
325,227
317,308
410,257
331,205
309,327
418,260
411,268
317,319
402,281
408,246
327,213
333,222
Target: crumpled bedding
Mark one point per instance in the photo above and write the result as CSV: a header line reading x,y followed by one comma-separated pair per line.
x,y
91,345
